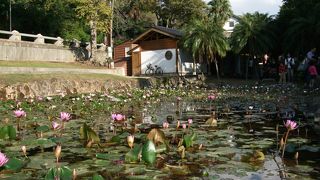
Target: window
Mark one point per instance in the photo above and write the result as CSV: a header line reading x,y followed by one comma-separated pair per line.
x,y
126,49
168,55
231,24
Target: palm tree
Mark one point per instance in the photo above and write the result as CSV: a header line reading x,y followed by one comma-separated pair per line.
x,y
303,32
205,40
253,35
220,10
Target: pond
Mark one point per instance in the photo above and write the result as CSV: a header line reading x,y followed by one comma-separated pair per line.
x,y
231,132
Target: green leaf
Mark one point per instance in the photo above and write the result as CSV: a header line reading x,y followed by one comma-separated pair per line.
x,y
149,152
3,132
12,133
44,128
116,139
188,140
161,148
103,156
64,173
133,155
97,177
88,134
15,164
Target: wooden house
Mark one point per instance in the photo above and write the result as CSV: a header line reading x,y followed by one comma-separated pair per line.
x,y
158,46
121,58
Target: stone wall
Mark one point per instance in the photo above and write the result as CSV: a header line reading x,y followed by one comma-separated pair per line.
x,y
30,47
30,51
56,86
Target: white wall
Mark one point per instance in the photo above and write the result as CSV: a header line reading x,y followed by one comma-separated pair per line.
x,y
157,57
227,26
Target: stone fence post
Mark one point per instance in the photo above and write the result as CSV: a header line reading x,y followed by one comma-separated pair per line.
x,y
59,42
39,39
16,36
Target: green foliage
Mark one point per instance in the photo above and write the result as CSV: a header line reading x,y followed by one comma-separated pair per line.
x,y
88,134
97,177
63,173
299,23
8,132
252,34
15,164
220,11
149,152
133,155
97,11
43,128
189,139
205,40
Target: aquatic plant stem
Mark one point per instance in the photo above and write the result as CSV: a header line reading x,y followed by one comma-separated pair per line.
x,y
282,171
285,142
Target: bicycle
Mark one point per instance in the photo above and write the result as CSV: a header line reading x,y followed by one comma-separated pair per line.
x,y
151,70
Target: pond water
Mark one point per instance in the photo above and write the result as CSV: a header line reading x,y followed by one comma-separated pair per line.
x,y
235,136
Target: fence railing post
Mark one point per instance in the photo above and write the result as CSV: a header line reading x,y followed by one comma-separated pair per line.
x,y
39,39
59,42
16,36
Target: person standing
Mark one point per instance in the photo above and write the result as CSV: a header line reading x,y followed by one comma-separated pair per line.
x,y
282,72
311,54
289,63
313,74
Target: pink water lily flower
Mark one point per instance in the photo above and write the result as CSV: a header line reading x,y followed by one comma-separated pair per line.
x,y
20,113
55,125
118,117
3,159
291,125
165,125
64,116
184,126
190,121
211,97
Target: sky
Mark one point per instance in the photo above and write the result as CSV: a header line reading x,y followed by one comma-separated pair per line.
x,y
239,7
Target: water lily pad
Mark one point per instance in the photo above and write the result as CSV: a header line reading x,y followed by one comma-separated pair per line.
x,y
309,148
149,152
133,155
43,128
97,177
63,173
15,164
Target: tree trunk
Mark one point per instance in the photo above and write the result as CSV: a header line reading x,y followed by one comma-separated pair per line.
x,y
247,68
217,68
93,39
194,67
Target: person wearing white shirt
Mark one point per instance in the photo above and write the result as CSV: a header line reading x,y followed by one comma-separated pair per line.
x,y
289,63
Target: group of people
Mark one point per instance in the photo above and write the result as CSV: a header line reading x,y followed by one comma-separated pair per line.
x,y
309,67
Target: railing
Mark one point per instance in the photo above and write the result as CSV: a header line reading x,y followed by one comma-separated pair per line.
x,y
39,39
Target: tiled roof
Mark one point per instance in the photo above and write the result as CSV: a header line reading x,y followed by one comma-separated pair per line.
x,y
171,31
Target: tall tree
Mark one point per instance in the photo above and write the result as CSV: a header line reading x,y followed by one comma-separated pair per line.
x,y
130,19
299,22
220,11
206,41
175,13
97,13
252,35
